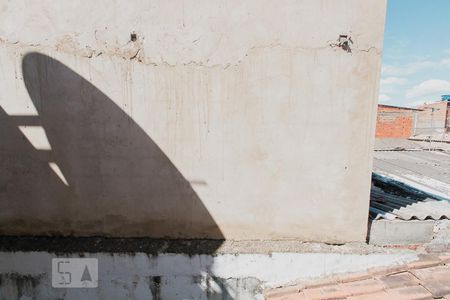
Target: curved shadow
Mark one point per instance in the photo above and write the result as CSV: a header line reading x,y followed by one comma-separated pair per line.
x,y
113,179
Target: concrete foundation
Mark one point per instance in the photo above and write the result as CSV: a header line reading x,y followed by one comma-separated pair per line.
x,y
397,232
27,275
441,237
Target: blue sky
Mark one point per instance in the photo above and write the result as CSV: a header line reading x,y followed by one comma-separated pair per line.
x,y
416,54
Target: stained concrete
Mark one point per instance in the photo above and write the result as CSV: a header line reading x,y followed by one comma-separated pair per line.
x,y
441,237
188,119
178,276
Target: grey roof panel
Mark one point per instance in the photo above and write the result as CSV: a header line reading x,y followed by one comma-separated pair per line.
x,y
428,171
407,207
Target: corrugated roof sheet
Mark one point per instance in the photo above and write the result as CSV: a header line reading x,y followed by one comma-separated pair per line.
x,y
428,171
390,206
410,184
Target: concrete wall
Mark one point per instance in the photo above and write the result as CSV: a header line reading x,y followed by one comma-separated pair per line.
x,y
433,119
182,119
27,275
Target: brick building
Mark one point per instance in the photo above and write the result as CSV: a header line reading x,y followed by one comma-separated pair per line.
x,y
395,121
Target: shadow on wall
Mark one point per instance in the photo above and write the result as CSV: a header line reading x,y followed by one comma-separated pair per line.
x,y
103,174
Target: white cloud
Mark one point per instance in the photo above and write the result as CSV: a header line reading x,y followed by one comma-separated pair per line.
x,y
408,69
390,85
393,81
383,98
416,103
429,90
445,62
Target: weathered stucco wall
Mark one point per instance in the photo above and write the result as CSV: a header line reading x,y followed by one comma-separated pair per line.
x,y
181,119
27,275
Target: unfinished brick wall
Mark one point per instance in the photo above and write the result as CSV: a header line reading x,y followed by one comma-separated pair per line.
x,y
394,122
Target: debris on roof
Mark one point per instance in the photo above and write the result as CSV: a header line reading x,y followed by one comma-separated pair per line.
x,y
438,137
399,144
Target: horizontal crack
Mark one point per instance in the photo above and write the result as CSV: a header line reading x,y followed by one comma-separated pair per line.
x,y
138,56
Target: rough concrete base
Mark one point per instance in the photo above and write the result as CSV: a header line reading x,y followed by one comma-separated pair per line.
x,y
441,237
181,276
397,232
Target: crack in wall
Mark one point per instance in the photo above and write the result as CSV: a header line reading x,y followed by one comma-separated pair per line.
x,y
133,51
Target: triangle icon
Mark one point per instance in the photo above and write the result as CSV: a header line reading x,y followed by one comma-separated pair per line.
x,y
86,276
